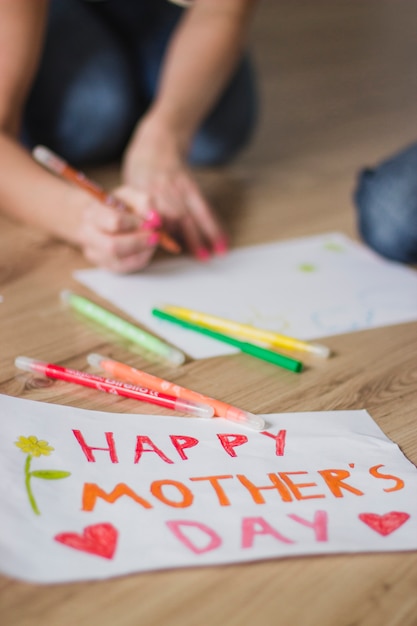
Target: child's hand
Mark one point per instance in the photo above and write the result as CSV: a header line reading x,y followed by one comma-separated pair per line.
x,y
119,241
159,172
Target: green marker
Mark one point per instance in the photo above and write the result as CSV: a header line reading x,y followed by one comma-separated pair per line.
x,y
249,348
123,328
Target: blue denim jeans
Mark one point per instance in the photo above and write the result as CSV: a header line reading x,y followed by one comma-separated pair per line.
x,y
386,203
99,73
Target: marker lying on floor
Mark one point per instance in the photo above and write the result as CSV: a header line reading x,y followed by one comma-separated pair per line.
x,y
114,387
247,331
130,374
125,329
250,348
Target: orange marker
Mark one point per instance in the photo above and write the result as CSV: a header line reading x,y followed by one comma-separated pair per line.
x,y
57,165
137,377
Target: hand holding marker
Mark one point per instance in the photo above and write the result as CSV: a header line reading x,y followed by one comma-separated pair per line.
x,y
58,166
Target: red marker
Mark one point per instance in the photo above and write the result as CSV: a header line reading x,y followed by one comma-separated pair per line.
x,y
114,386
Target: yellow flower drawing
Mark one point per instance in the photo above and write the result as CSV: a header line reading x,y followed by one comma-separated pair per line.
x,y
34,446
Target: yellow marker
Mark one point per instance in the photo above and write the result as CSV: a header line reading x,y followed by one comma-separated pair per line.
x,y
249,332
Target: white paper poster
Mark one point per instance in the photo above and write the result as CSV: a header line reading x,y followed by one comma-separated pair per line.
x,y
305,288
91,495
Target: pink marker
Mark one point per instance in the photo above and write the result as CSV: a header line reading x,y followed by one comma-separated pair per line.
x,y
114,386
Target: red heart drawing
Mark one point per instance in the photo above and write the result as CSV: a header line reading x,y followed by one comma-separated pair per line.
x,y
98,539
384,524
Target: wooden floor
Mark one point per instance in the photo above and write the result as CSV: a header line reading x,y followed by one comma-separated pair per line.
x,y
338,87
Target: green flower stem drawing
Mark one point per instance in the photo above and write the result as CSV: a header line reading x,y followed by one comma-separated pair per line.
x,y
32,446
28,487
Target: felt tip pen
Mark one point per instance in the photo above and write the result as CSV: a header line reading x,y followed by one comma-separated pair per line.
x,y
125,329
247,331
59,166
125,372
115,387
249,348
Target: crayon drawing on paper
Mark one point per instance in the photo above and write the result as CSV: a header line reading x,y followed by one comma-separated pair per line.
x,y
306,288
131,493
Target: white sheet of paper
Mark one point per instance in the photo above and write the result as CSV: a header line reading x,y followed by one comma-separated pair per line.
x,y
91,495
306,288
